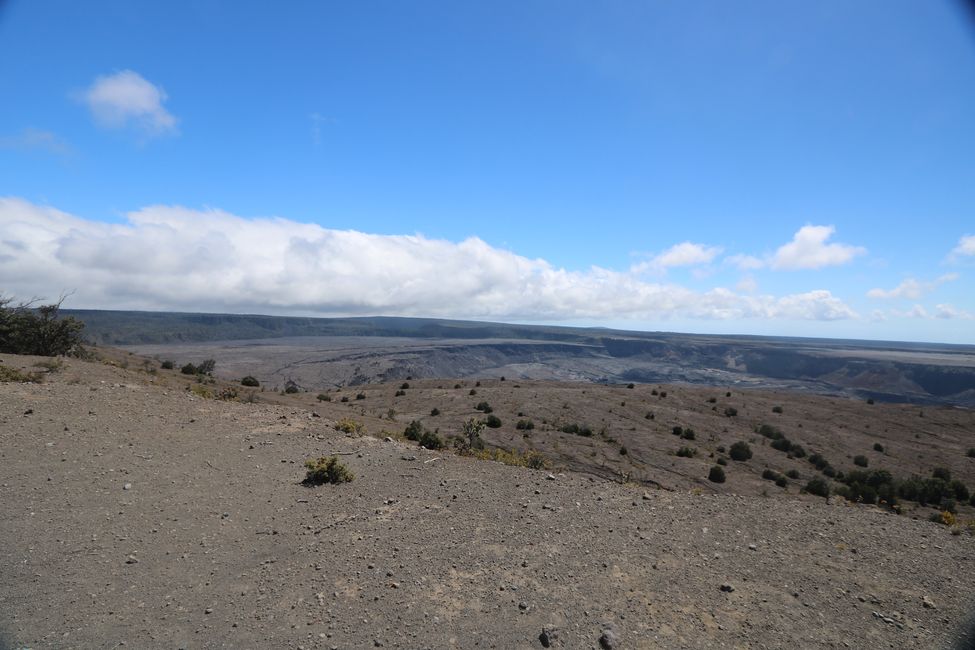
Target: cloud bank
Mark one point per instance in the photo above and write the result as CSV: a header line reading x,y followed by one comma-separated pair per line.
x,y
126,99
174,258
911,288
809,250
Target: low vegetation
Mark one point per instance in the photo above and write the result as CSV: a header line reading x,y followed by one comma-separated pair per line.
x,y
716,475
39,331
326,469
740,451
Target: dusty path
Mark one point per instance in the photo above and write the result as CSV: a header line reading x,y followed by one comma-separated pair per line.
x,y
134,514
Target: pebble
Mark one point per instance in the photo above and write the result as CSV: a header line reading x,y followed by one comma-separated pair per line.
x,y
727,588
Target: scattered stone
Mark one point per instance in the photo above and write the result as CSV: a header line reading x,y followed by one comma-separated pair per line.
x,y
208,610
131,559
29,412
927,602
609,639
727,588
752,547
549,636
127,486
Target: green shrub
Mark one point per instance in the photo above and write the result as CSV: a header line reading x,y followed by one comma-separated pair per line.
x,y
413,431
818,461
688,434
712,400
431,440
650,416
781,444
878,447
483,407
792,473
322,397
730,411
404,386
38,331
9,374
942,473
740,451
249,381
716,475
290,387
326,469
722,461
188,369
623,451
434,411
493,422
168,365
781,481
348,425
576,429
473,392
860,460
817,486
687,452
631,385
525,425
360,396
399,393
770,432
769,475
678,431
797,451
345,398
776,409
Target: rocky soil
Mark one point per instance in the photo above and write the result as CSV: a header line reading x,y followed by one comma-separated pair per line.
x,y
138,514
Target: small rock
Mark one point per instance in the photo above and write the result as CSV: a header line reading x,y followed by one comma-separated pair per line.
x,y
523,606
752,547
208,610
727,588
127,486
609,639
29,412
388,439
131,559
550,477
927,602
549,635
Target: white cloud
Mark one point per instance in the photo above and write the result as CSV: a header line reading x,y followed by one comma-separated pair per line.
x,y
809,250
947,311
965,247
911,288
36,140
173,258
126,99
747,284
683,254
745,262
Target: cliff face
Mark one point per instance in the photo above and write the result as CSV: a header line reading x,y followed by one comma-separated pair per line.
x,y
135,512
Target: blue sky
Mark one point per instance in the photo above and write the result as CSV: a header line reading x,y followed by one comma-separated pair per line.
x,y
776,167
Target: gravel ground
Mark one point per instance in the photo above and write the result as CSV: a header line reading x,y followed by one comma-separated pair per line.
x,y
142,516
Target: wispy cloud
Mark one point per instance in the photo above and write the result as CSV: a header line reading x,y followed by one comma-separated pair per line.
x,y
166,257
683,254
31,139
965,247
127,100
912,289
809,250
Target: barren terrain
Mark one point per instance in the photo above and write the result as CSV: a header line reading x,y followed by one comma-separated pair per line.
x,y
136,512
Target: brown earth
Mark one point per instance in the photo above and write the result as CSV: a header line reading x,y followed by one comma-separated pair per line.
x,y
136,512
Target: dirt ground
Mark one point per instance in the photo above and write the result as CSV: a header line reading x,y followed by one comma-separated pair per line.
x,y
135,513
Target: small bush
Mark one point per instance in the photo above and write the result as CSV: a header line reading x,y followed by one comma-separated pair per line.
x,y
781,444
290,387
817,486
631,385
941,472
8,374
870,401
769,475
360,396
322,397
399,393
483,407
793,473
250,381
473,392
434,411
730,411
654,392
722,461
878,447
168,365
413,431
348,425
740,451
716,475
188,369
663,393
781,481
326,469
770,432
776,409
404,386
345,398
688,434
818,461
712,400
860,460
650,416
687,452
677,431
525,425
575,429
493,422
431,440
623,451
